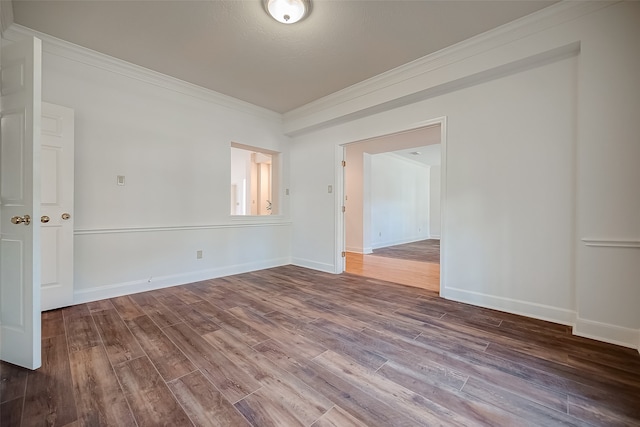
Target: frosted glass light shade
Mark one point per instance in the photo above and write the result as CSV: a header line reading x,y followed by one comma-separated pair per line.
x,y
288,11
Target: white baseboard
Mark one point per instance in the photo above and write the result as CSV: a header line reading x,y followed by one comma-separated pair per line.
x,y
363,251
524,308
612,334
398,242
137,286
434,237
314,265
604,332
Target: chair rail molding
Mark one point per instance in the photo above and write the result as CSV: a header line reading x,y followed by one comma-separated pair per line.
x,y
612,243
116,230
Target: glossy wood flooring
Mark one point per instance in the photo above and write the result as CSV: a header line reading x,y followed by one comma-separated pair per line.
x,y
293,347
425,275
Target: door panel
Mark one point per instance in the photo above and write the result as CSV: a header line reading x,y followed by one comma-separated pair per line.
x,y
20,77
56,200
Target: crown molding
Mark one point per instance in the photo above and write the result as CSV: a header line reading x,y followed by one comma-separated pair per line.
x,y
314,114
83,55
6,15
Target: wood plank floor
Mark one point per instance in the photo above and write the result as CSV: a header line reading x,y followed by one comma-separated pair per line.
x,y
422,250
425,275
294,347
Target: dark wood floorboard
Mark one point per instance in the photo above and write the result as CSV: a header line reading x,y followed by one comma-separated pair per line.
x,y
152,403
49,395
99,398
204,404
294,347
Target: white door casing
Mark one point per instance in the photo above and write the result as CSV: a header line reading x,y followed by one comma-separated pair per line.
x,y
20,86
56,167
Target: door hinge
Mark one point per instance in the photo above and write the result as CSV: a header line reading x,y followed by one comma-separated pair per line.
x,y
344,209
344,163
344,254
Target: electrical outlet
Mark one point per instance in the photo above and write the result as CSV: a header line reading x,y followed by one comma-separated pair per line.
x,y
199,254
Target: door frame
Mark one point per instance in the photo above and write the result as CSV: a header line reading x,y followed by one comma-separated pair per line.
x,y
340,236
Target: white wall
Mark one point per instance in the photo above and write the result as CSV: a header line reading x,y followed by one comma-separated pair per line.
x,y
172,142
608,179
314,245
399,200
541,154
434,201
499,225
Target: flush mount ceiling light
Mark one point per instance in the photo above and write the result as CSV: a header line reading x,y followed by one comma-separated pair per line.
x,y
287,11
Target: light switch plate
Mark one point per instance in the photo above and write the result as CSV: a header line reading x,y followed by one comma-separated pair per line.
x,y
120,180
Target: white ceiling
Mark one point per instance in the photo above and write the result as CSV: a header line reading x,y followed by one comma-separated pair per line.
x,y
235,48
426,140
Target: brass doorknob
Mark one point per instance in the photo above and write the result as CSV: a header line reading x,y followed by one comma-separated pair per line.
x,y
26,220
44,219
66,216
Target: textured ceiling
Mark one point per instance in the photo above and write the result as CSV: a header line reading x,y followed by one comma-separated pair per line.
x,y
234,48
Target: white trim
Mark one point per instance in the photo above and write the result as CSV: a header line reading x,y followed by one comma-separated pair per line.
x,y
54,46
536,22
6,16
355,250
257,219
126,288
85,231
339,201
443,197
510,305
425,87
434,237
399,242
612,334
314,265
612,243
415,80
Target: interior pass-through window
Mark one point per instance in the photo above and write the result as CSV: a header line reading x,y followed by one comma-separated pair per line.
x,y
252,181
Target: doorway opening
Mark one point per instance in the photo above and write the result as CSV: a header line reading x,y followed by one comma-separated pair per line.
x,y
392,198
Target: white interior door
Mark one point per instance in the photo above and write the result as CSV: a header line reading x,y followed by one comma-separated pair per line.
x,y
56,198
20,86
